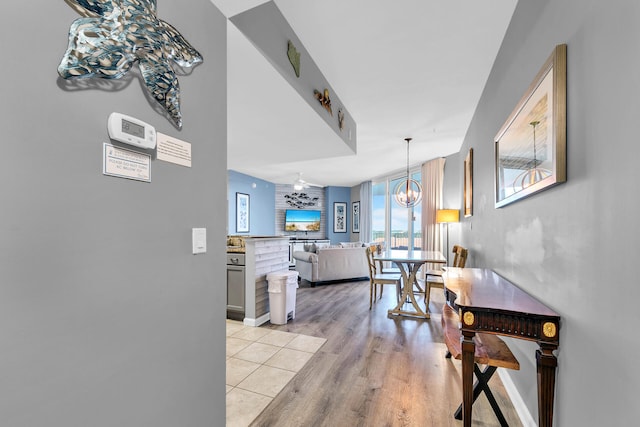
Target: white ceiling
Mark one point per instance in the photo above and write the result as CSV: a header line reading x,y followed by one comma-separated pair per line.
x,y
408,68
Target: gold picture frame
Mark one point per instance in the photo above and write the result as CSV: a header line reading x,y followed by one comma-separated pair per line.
x,y
531,146
468,184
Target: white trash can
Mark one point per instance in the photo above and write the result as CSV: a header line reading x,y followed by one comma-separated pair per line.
x,y
282,296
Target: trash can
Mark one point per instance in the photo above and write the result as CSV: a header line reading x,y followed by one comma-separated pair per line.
x,y
282,287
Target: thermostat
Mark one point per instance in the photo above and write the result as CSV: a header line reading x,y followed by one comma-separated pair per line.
x,y
132,131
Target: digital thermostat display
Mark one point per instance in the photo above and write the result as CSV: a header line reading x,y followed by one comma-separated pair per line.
x,y
132,128
132,131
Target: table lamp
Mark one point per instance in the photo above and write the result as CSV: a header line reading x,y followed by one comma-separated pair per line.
x,y
446,216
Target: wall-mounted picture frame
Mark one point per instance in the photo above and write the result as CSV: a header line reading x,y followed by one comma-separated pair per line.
x,y
355,217
339,217
242,213
531,146
468,184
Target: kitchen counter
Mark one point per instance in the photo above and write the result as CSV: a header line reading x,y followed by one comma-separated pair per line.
x,y
263,255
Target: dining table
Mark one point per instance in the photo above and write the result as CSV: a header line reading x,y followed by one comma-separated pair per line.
x,y
409,263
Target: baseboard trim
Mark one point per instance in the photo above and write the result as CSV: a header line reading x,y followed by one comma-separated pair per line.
x,y
256,322
521,409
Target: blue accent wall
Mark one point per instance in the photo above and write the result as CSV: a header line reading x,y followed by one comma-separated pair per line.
x,y
334,195
262,203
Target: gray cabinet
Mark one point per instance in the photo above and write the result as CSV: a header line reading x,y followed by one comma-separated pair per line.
x,y
235,286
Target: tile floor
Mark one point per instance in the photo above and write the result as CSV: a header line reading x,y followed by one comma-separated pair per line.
x,y
260,362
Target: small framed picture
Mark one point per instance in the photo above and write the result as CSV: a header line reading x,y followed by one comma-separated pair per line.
x,y
355,219
468,184
242,213
339,217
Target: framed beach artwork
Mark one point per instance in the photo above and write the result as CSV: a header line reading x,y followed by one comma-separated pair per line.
x,y
242,213
339,217
531,146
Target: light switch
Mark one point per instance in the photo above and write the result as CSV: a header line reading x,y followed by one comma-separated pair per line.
x,y
199,240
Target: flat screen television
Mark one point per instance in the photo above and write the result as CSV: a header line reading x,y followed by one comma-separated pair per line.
x,y
301,220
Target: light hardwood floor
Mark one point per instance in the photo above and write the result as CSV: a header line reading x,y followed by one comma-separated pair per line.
x,y
374,370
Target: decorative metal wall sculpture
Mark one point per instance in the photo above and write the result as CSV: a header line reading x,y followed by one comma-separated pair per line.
x,y
294,58
324,99
340,119
113,34
300,200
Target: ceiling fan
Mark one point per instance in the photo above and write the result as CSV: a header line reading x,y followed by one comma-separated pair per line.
x,y
300,184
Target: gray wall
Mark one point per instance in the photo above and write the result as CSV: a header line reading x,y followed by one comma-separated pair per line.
x,y
573,246
106,318
269,31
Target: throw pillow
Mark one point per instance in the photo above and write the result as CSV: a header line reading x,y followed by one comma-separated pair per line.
x,y
351,244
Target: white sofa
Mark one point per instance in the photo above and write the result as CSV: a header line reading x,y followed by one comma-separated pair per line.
x,y
332,264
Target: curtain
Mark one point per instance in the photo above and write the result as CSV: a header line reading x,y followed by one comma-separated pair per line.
x,y
366,211
432,180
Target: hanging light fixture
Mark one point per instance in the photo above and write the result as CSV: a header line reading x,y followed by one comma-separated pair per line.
x,y
535,173
408,192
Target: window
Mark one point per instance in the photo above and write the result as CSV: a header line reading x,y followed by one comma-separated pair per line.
x,y
398,227
379,211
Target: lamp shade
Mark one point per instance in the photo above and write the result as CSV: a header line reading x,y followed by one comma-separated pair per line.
x,y
447,215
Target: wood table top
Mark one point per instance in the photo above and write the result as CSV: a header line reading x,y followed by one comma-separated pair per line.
x,y
483,288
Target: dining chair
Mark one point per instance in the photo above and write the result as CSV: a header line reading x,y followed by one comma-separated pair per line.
x,y
433,278
378,278
396,270
442,269
381,267
392,270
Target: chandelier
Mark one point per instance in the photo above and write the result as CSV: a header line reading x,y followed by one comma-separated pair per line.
x,y
535,173
408,192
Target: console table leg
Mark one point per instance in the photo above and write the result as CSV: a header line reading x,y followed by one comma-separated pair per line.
x,y
546,365
468,361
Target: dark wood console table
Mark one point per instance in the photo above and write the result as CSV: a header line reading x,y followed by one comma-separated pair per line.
x,y
488,303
